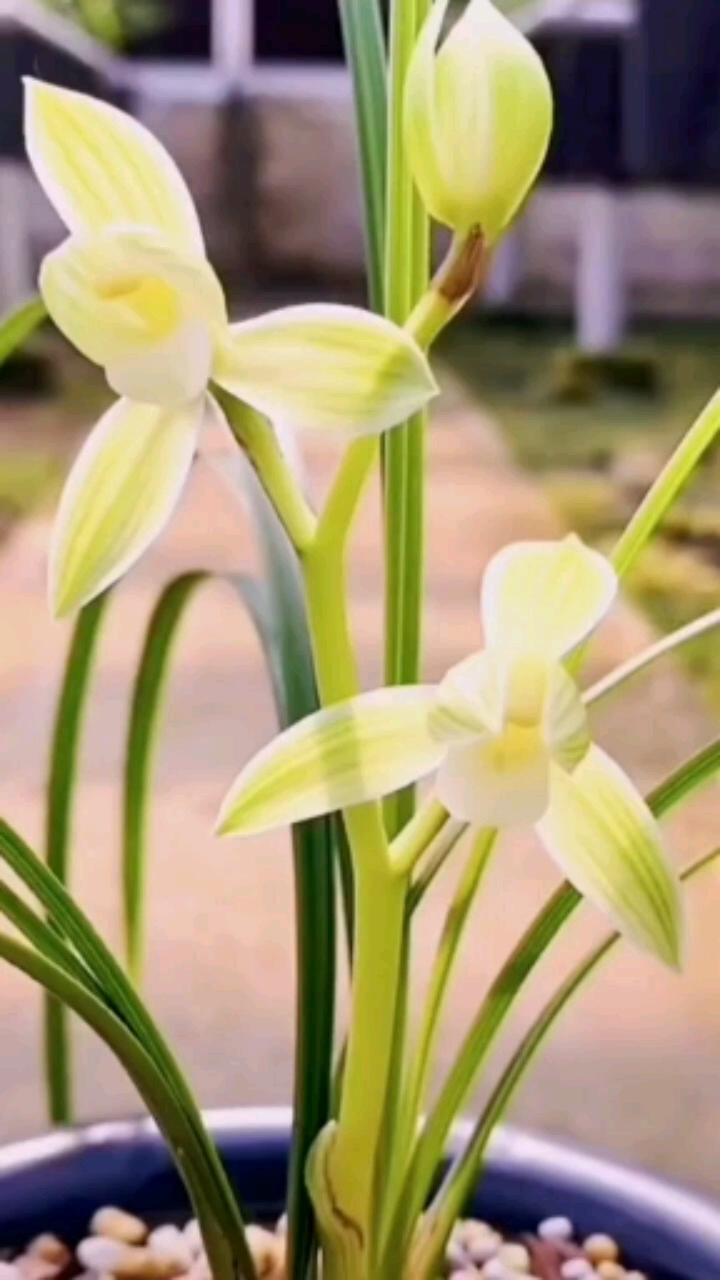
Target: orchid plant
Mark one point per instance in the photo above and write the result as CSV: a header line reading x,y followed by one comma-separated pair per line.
x,y
453,123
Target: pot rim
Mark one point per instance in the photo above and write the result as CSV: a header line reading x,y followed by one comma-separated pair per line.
x,y
512,1151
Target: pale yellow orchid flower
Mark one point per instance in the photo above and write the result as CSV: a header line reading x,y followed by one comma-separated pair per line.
x,y
478,118
133,290
507,732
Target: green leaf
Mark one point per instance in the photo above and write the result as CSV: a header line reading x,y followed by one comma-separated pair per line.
x,y
228,1258
505,990
18,325
61,789
70,922
140,752
465,1172
365,51
277,607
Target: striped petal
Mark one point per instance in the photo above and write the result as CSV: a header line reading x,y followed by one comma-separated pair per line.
x,y
503,783
356,751
469,702
603,836
100,168
566,730
327,367
120,494
545,598
140,309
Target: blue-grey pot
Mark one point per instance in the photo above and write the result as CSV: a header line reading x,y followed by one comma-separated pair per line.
x,y
55,1183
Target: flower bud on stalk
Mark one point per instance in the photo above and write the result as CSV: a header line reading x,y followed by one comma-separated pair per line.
x,y
478,117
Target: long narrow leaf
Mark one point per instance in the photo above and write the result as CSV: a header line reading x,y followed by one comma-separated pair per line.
x,y
277,607
62,782
228,1256
67,918
143,730
19,325
541,933
464,1174
365,51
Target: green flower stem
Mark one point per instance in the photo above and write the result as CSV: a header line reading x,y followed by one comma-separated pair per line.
x,y
435,857
463,1176
415,838
349,1164
261,446
227,1260
669,484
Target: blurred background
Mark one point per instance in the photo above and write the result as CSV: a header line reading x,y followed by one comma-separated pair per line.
x,y
564,391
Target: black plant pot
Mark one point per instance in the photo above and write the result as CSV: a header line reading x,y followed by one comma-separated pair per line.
x,y
55,1183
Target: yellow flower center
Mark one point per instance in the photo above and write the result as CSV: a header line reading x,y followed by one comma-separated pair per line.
x,y
149,305
514,750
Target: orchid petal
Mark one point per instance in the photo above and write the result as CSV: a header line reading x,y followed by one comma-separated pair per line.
x,y
345,755
143,311
603,836
469,702
544,598
121,492
100,168
565,721
503,783
328,367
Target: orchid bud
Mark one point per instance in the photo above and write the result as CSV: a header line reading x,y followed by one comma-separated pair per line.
x,y
478,116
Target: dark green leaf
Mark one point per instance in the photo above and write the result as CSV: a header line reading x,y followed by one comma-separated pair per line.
x,y
140,752
62,784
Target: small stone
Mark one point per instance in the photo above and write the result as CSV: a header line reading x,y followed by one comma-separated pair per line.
x,y
515,1257
99,1253
556,1229
193,1237
170,1242
495,1270
9,1271
601,1248
50,1249
635,1275
268,1251
610,1271
147,1264
466,1273
456,1257
577,1269
32,1267
481,1242
118,1225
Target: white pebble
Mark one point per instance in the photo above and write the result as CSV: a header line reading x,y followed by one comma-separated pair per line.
x,y
515,1257
635,1275
118,1225
495,1270
601,1248
8,1271
481,1244
170,1242
193,1237
577,1269
99,1253
556,1229
281,1225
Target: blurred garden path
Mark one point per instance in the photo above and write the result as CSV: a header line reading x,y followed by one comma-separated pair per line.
x,y
634,1069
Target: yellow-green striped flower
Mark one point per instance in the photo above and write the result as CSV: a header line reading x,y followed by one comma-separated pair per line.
x,y
133,290
478,116
508,734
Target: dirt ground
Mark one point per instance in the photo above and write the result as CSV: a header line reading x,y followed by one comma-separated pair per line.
x,y
634,1067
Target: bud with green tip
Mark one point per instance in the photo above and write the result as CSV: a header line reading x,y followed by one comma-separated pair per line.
x,y
478,117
